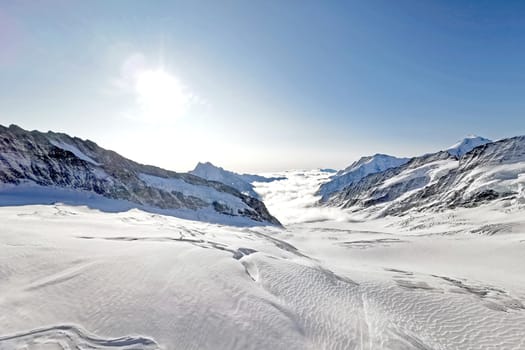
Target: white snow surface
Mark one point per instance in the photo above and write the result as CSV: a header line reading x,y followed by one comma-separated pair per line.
x,y
428,174
466,145
205,193
74,277
32,194
433,171
73,149
500,178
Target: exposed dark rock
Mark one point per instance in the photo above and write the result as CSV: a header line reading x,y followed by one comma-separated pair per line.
x,y
55,159
455,187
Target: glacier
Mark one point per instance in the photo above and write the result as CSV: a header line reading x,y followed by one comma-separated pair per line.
x,y
100,252
75,277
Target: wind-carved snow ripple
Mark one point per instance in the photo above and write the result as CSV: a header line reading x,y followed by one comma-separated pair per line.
x,y
72,337
333,312
449,320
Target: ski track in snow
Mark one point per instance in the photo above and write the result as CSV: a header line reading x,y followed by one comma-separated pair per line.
x,y
76,278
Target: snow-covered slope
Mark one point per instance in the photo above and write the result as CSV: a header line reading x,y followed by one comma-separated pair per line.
x,y
466,145
75,278
492,171
241,182
435,181
394,183
358,170
56,164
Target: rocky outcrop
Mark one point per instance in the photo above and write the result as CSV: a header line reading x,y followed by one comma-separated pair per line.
x,y
58,160
488,172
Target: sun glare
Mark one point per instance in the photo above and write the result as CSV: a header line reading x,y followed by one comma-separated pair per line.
x,y
161,95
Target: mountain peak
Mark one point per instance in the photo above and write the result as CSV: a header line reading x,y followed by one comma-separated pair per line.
x,y
467,144
377,161
212,172
206,165
358,170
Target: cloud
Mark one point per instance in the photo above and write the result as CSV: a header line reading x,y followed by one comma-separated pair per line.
x,y
294,201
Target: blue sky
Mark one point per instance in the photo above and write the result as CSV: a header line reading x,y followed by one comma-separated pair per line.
x,y
264,85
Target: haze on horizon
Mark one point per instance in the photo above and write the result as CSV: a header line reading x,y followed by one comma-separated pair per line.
x,y
265,85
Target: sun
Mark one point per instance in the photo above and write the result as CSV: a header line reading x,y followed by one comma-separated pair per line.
x,y
161,96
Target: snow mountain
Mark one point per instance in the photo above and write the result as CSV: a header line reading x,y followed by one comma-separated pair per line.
x,y
466,145
357,171
50,167
241,182
441,180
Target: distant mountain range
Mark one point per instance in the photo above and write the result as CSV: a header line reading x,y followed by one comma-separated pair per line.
x,y
42,168
474,171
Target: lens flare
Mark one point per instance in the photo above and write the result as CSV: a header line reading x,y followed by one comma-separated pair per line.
x,y
161,95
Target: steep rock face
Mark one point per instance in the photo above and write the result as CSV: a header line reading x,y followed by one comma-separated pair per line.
x,y
357,171
393,183
491,171
437,181
58,160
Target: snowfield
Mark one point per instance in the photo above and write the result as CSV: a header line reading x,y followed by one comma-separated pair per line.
x,y
72,277
78,153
